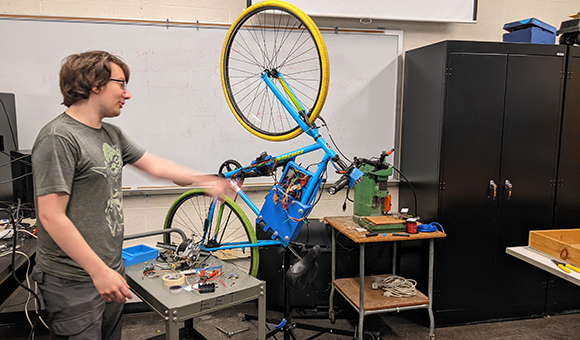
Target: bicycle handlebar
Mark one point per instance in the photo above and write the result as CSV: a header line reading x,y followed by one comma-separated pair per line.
x,y
338,185
340,163
352,176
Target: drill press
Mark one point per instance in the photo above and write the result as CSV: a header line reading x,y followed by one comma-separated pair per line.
x,y
371,196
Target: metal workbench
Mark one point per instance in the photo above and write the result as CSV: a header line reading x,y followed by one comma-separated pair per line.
x,y
183,306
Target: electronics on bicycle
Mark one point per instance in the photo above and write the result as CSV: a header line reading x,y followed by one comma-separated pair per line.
x,y
284,203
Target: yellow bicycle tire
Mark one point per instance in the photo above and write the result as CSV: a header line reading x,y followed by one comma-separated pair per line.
x,y
323,60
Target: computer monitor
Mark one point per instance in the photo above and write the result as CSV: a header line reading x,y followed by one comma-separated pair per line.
x,y
10,136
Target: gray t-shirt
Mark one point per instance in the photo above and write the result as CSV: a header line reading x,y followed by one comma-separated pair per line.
x,y
85,163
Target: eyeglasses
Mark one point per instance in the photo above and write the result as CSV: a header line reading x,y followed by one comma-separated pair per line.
x,y
122,82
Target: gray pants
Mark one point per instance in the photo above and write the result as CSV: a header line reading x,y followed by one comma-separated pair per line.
x,y
76,310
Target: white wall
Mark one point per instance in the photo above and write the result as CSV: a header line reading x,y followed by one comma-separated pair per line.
x,y
144,212
492,14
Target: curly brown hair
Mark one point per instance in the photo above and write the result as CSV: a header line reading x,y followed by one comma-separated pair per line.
x,y
82,72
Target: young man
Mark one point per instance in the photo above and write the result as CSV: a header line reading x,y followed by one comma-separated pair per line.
x,y
77,161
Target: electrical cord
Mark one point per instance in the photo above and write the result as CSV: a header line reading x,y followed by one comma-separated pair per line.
x,y
35,306
13,179
320,188
15,237
28,232
411,186
27,280
340,244
29,294
396,286
346,198
332,139
26,207
430,227
15,159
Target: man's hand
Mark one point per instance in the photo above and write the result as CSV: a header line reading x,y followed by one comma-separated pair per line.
x,y
112,286
222,187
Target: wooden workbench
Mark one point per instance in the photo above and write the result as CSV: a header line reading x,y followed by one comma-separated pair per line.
x,y
354,290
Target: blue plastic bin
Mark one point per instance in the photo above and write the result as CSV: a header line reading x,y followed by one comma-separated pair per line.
x,y
530,30
139,253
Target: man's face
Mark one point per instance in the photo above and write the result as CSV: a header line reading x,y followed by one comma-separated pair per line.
x,y
113,95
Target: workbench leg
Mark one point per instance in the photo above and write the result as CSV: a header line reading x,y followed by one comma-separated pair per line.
x,y
394,245
171,326
262,312
361,311
331,314
430,289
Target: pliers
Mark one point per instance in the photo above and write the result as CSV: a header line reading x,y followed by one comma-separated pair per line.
x,y
564,266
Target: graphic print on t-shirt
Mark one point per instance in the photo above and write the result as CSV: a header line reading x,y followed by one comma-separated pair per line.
x,y
112,172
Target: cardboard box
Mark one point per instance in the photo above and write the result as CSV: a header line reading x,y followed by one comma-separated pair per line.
x,y
530,30
560,243
139,253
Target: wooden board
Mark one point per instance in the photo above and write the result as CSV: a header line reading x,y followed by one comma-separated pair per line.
x,y
378,220
561,243
374,298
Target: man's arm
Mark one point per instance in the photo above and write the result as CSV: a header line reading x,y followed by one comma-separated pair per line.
x,y
180,175
52,213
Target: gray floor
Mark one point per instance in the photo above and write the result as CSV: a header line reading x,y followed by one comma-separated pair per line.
x,y
406,325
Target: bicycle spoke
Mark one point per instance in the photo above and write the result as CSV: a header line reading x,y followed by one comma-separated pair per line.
x,y
186,221
295,49
301,61
259,81
248,48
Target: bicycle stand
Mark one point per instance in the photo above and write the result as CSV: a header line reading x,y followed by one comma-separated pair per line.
x,y
287,326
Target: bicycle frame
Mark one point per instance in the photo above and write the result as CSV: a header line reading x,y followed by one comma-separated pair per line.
x,y
296,110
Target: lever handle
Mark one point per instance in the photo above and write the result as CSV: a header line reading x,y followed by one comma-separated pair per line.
x,y
492,187
508,186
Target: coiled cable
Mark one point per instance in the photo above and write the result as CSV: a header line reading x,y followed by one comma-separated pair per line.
x,y
432,227
396,286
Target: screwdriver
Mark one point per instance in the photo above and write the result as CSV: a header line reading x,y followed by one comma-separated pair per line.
x,y
402,235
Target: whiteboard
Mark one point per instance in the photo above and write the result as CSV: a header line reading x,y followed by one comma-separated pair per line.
x,y
178,110
411,10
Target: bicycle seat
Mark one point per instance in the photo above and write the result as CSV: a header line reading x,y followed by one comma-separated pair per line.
x,y
304,271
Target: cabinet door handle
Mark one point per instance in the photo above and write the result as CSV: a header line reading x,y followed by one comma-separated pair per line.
x,y
508,186
492,187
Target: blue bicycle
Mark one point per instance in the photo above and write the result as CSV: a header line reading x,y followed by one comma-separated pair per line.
x,y
275,75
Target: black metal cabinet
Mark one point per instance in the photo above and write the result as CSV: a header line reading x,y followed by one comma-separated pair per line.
x,y
562,295
480,136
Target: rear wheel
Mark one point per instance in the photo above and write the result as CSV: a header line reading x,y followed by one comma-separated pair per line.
x,y
274,37
229,224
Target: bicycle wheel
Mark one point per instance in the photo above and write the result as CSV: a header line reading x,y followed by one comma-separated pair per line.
x,y
277,38
229,224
